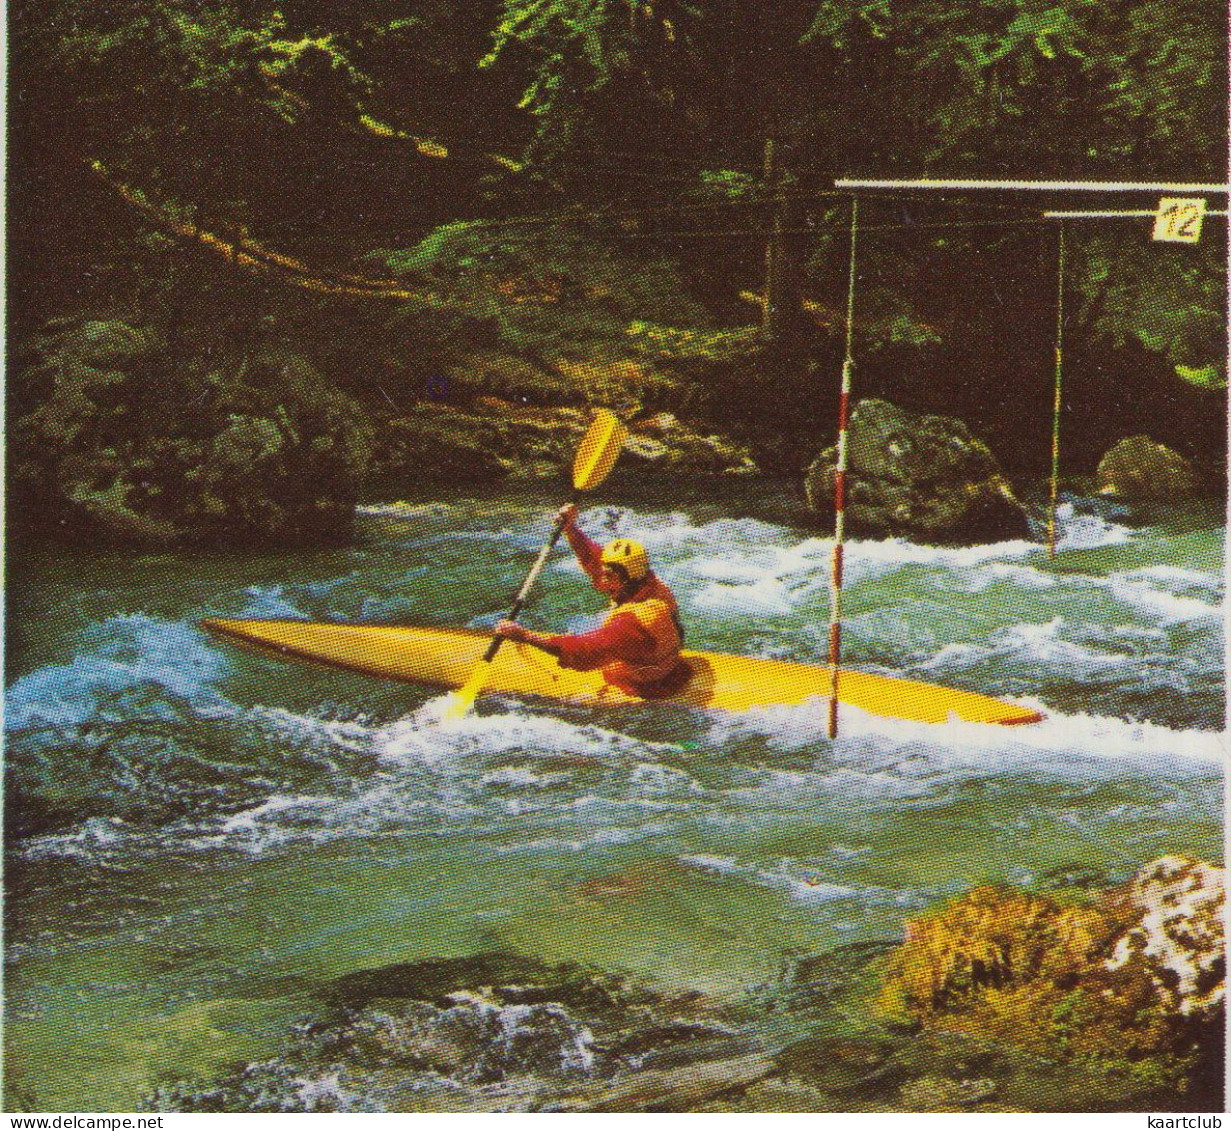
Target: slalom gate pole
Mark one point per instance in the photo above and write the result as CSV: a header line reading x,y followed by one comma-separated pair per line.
x,y
1055,416
839,533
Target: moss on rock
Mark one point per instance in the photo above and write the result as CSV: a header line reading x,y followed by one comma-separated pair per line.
x,y
115,436
1130,985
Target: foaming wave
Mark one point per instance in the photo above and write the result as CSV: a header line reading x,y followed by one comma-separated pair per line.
x,y
271,602
897,758
598,839
386,807
405,510
1160,592
1036,647
423,739
1087,531
122,653
800,881
94,841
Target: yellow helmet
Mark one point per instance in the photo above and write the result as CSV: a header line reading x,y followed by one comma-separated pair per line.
x,y
630,556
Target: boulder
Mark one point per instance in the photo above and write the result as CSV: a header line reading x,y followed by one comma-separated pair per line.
x,y
1177,940
1133,980
115,437
1138,468
927,478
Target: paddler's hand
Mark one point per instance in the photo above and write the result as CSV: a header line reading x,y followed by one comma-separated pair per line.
x,y
567,516
511,630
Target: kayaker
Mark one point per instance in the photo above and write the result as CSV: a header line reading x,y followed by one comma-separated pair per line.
x,y
638,644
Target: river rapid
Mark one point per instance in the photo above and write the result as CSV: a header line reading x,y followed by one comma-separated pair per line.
x,y
199,837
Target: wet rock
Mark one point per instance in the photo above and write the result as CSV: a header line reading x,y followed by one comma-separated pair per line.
x,y
540,1038
634,1044
1137,468
921,477
503,375
1077,874
431,442
843,1065
677,1089
490,437
697,1051
520,979
491,1032
1177,942
813,979
934,1093
1099,506
776,1095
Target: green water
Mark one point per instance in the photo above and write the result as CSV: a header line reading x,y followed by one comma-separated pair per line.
x,y
207,838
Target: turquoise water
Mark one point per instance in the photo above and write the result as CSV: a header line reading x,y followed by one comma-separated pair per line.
x,y
200,837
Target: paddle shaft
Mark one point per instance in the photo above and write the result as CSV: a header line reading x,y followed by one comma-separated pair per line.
x,y
519,602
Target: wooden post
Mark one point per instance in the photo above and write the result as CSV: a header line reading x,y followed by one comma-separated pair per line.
x,y
771,321
781,316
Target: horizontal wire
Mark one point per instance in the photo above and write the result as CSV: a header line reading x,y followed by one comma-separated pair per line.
x,y
817,230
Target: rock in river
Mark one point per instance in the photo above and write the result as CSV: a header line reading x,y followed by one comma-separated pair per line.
x,y
1139,468
927,478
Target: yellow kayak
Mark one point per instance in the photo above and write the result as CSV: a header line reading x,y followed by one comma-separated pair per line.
x,y
445,657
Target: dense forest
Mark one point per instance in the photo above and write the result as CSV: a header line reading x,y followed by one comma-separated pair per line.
x,y
260,252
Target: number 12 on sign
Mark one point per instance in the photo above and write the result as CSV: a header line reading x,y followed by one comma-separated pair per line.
x,y
1178,219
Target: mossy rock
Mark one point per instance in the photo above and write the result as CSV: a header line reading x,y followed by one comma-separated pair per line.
x,y
1138,468
1127,987
918,476
115,438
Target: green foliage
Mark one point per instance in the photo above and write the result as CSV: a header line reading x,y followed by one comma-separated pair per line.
x,y
548,289
886,311
1169,298
592,63
327,130
1038,84
1209,377
672,343
146,60
727,184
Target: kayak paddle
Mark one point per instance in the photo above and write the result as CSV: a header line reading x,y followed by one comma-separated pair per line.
x,y
600,447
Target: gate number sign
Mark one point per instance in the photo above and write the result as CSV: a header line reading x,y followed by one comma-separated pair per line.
x,y
1178,219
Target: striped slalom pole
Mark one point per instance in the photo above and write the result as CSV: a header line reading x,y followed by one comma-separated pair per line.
x,y
839,532
1055,415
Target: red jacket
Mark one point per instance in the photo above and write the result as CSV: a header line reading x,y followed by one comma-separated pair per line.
x,y
638,644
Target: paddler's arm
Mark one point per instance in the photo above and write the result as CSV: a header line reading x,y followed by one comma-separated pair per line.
x,y
620,638
589,553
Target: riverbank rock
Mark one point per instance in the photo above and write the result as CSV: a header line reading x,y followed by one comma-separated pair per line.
x,y
1139,468
490,438
115,438
484,440
926,478
662,438
1130,986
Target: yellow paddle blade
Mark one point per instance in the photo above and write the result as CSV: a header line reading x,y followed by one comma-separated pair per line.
x,y
599,450
463,698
